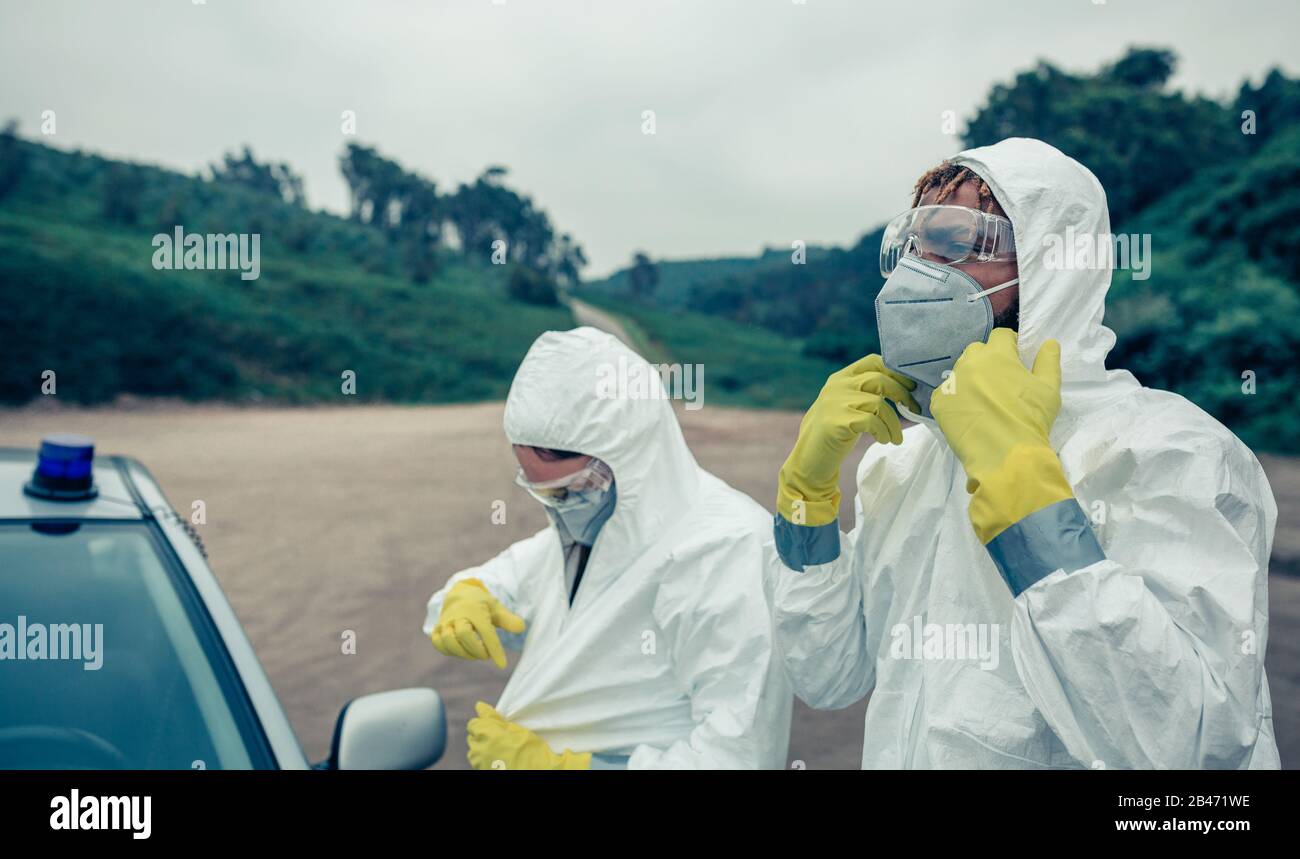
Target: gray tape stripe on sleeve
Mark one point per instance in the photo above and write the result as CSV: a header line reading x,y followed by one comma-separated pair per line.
x,y
609,762
803,545
1058,537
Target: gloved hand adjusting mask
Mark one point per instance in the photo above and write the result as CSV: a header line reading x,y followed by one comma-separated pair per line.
x,y
926,315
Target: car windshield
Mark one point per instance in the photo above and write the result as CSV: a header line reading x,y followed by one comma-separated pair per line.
x,y
106,663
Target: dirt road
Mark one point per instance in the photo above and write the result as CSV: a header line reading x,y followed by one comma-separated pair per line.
x,y
325,520
585,314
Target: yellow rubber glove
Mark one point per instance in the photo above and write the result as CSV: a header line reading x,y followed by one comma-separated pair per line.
x,y
996,416
467,625
496,743
852,401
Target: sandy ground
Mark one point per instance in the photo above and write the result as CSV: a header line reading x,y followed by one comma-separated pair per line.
x,y
325,520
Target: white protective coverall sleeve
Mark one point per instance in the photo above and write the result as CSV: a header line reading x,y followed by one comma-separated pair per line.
x,y
504,576
1152,657
820,626
709,639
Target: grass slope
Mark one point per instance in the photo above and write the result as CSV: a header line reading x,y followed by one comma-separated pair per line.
x,y
743,365
86,303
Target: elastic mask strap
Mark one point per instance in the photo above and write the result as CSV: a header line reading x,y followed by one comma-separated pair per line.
x,y
992,289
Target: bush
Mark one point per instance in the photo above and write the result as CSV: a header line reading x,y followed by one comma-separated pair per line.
x,y
532,286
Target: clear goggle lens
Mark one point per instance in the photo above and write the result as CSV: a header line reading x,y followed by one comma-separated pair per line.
x,y
946,234
591,479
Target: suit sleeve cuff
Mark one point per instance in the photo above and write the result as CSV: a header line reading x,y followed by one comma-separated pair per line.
x,y
1057,537
609,762
804,545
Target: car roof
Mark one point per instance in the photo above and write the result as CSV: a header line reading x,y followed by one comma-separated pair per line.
x,y
114,500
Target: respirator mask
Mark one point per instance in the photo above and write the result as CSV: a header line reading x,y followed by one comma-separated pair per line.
x,y
928,312
579,503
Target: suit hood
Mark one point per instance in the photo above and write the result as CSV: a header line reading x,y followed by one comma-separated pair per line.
x,y
584,390
1050,198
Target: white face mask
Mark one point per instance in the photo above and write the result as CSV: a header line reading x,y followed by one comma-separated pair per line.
x,y
926,315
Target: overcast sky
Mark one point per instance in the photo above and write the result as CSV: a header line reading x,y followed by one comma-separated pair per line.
x,y
775,119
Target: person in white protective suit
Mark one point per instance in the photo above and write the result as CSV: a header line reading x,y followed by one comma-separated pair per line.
x,y
646,640
1055,566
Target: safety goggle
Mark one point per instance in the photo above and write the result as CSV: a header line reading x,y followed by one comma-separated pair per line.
x,y
592,478
946,234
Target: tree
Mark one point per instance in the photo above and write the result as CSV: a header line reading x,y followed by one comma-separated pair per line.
x,y
487,211
1148,68
1140,140
420,227
643,276
532,286
1275,105
13,158
470,210
570,260
375,184
1256,205
277,179
405,206
412,213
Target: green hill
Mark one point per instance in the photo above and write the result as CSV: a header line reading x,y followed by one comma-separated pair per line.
x,y
1218,320
743,365
680,280
79,295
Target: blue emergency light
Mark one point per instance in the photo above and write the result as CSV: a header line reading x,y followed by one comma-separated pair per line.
x,y
64,469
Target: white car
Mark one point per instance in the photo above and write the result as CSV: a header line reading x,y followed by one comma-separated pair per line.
x,y
118,649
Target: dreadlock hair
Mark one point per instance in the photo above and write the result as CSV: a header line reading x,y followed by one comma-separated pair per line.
x,y
947,177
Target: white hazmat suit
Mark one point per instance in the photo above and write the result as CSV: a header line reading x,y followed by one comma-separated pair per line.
x,y
1150,658
666,655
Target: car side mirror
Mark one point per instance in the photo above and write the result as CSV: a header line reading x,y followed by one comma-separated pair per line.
x,y
403,729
